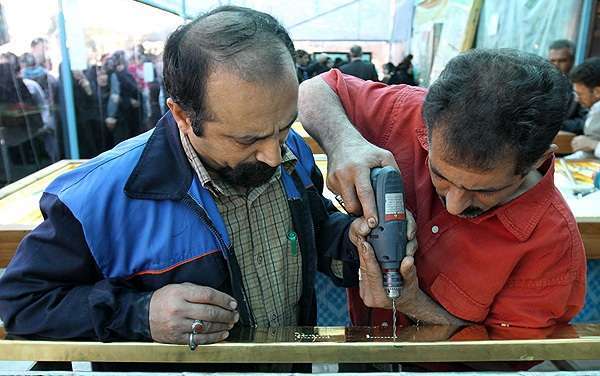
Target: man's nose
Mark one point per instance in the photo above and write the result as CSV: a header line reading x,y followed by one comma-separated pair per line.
x,y
457,200
269,152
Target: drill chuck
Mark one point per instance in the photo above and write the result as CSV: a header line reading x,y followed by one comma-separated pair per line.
x,y
392,283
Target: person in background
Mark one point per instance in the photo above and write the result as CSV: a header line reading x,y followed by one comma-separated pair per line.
x,y
359,68
338,62
20,113
302,60
154,90
404,73
101,92
136,70
36,66
322,64
40,99
586,83
125,100
561,54
388,70
39,50
88,123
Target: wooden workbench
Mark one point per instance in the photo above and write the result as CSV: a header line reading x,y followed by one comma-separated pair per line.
x,y
19,206
19,210
335,345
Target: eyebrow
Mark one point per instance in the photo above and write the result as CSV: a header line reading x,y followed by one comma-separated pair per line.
x,y
494,189
251,138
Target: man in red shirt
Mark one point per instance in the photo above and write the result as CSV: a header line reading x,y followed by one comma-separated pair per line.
x,y
497,243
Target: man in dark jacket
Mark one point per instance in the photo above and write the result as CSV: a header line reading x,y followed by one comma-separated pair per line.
x,y
358,68
561,54
213,218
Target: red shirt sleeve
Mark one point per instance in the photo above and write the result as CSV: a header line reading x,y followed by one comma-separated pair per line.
x,y
369,105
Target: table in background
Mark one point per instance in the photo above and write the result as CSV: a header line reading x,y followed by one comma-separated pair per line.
x,y
585,207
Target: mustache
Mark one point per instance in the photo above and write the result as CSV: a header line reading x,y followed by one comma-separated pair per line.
x,y
470,212
249,174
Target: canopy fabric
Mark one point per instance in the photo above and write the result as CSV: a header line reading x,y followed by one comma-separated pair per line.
x,y
319,20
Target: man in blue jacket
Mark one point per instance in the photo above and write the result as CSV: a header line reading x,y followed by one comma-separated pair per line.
x,y
213,218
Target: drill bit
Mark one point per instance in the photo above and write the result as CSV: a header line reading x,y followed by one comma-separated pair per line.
x,y
394,318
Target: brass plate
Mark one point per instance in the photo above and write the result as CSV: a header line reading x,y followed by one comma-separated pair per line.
x,y
336,345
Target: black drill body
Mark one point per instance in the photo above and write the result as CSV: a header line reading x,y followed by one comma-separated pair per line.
x,y
389,237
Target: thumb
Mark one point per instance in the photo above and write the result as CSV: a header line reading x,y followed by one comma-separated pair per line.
x,y
408,270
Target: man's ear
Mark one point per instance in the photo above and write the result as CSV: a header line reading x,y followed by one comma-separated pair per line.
x,y
550,151
596,92
183,121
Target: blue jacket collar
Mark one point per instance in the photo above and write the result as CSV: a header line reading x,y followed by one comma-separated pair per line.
x,y
162,172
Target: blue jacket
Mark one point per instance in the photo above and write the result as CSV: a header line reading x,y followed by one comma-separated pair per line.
x,y
135,219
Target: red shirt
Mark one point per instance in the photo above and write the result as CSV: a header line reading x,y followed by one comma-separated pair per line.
x,y
521,264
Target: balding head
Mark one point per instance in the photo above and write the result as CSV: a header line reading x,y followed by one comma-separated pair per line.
x,y
250,44
356,51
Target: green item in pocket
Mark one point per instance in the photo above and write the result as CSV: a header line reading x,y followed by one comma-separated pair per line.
x,y
293,238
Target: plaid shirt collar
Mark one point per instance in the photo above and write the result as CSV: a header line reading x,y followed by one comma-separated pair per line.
x,y
288,161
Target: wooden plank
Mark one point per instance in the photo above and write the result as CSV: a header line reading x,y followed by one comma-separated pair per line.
x,y
38,175
11,234
590,232
563,141
327,345
9,240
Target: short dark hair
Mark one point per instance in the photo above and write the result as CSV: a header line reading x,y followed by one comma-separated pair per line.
x,y
494,104
356,51
37,41
252,44
587,73
563,44
301,53
12,59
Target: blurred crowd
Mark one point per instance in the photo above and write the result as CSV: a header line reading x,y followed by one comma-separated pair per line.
x,y
354,65
117,98
122,95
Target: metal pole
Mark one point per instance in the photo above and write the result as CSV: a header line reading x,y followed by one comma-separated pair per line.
x,y
67,86
584,31
183,10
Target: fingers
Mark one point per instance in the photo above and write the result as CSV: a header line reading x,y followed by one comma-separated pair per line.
x,y
366,197
369,264
359,229
371,286
208,327
205,339
349,174
201,294
411,247
411,228
211,313
342,181
388,159
408,271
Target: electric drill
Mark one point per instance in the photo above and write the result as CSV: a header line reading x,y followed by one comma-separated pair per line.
x,y
389,237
